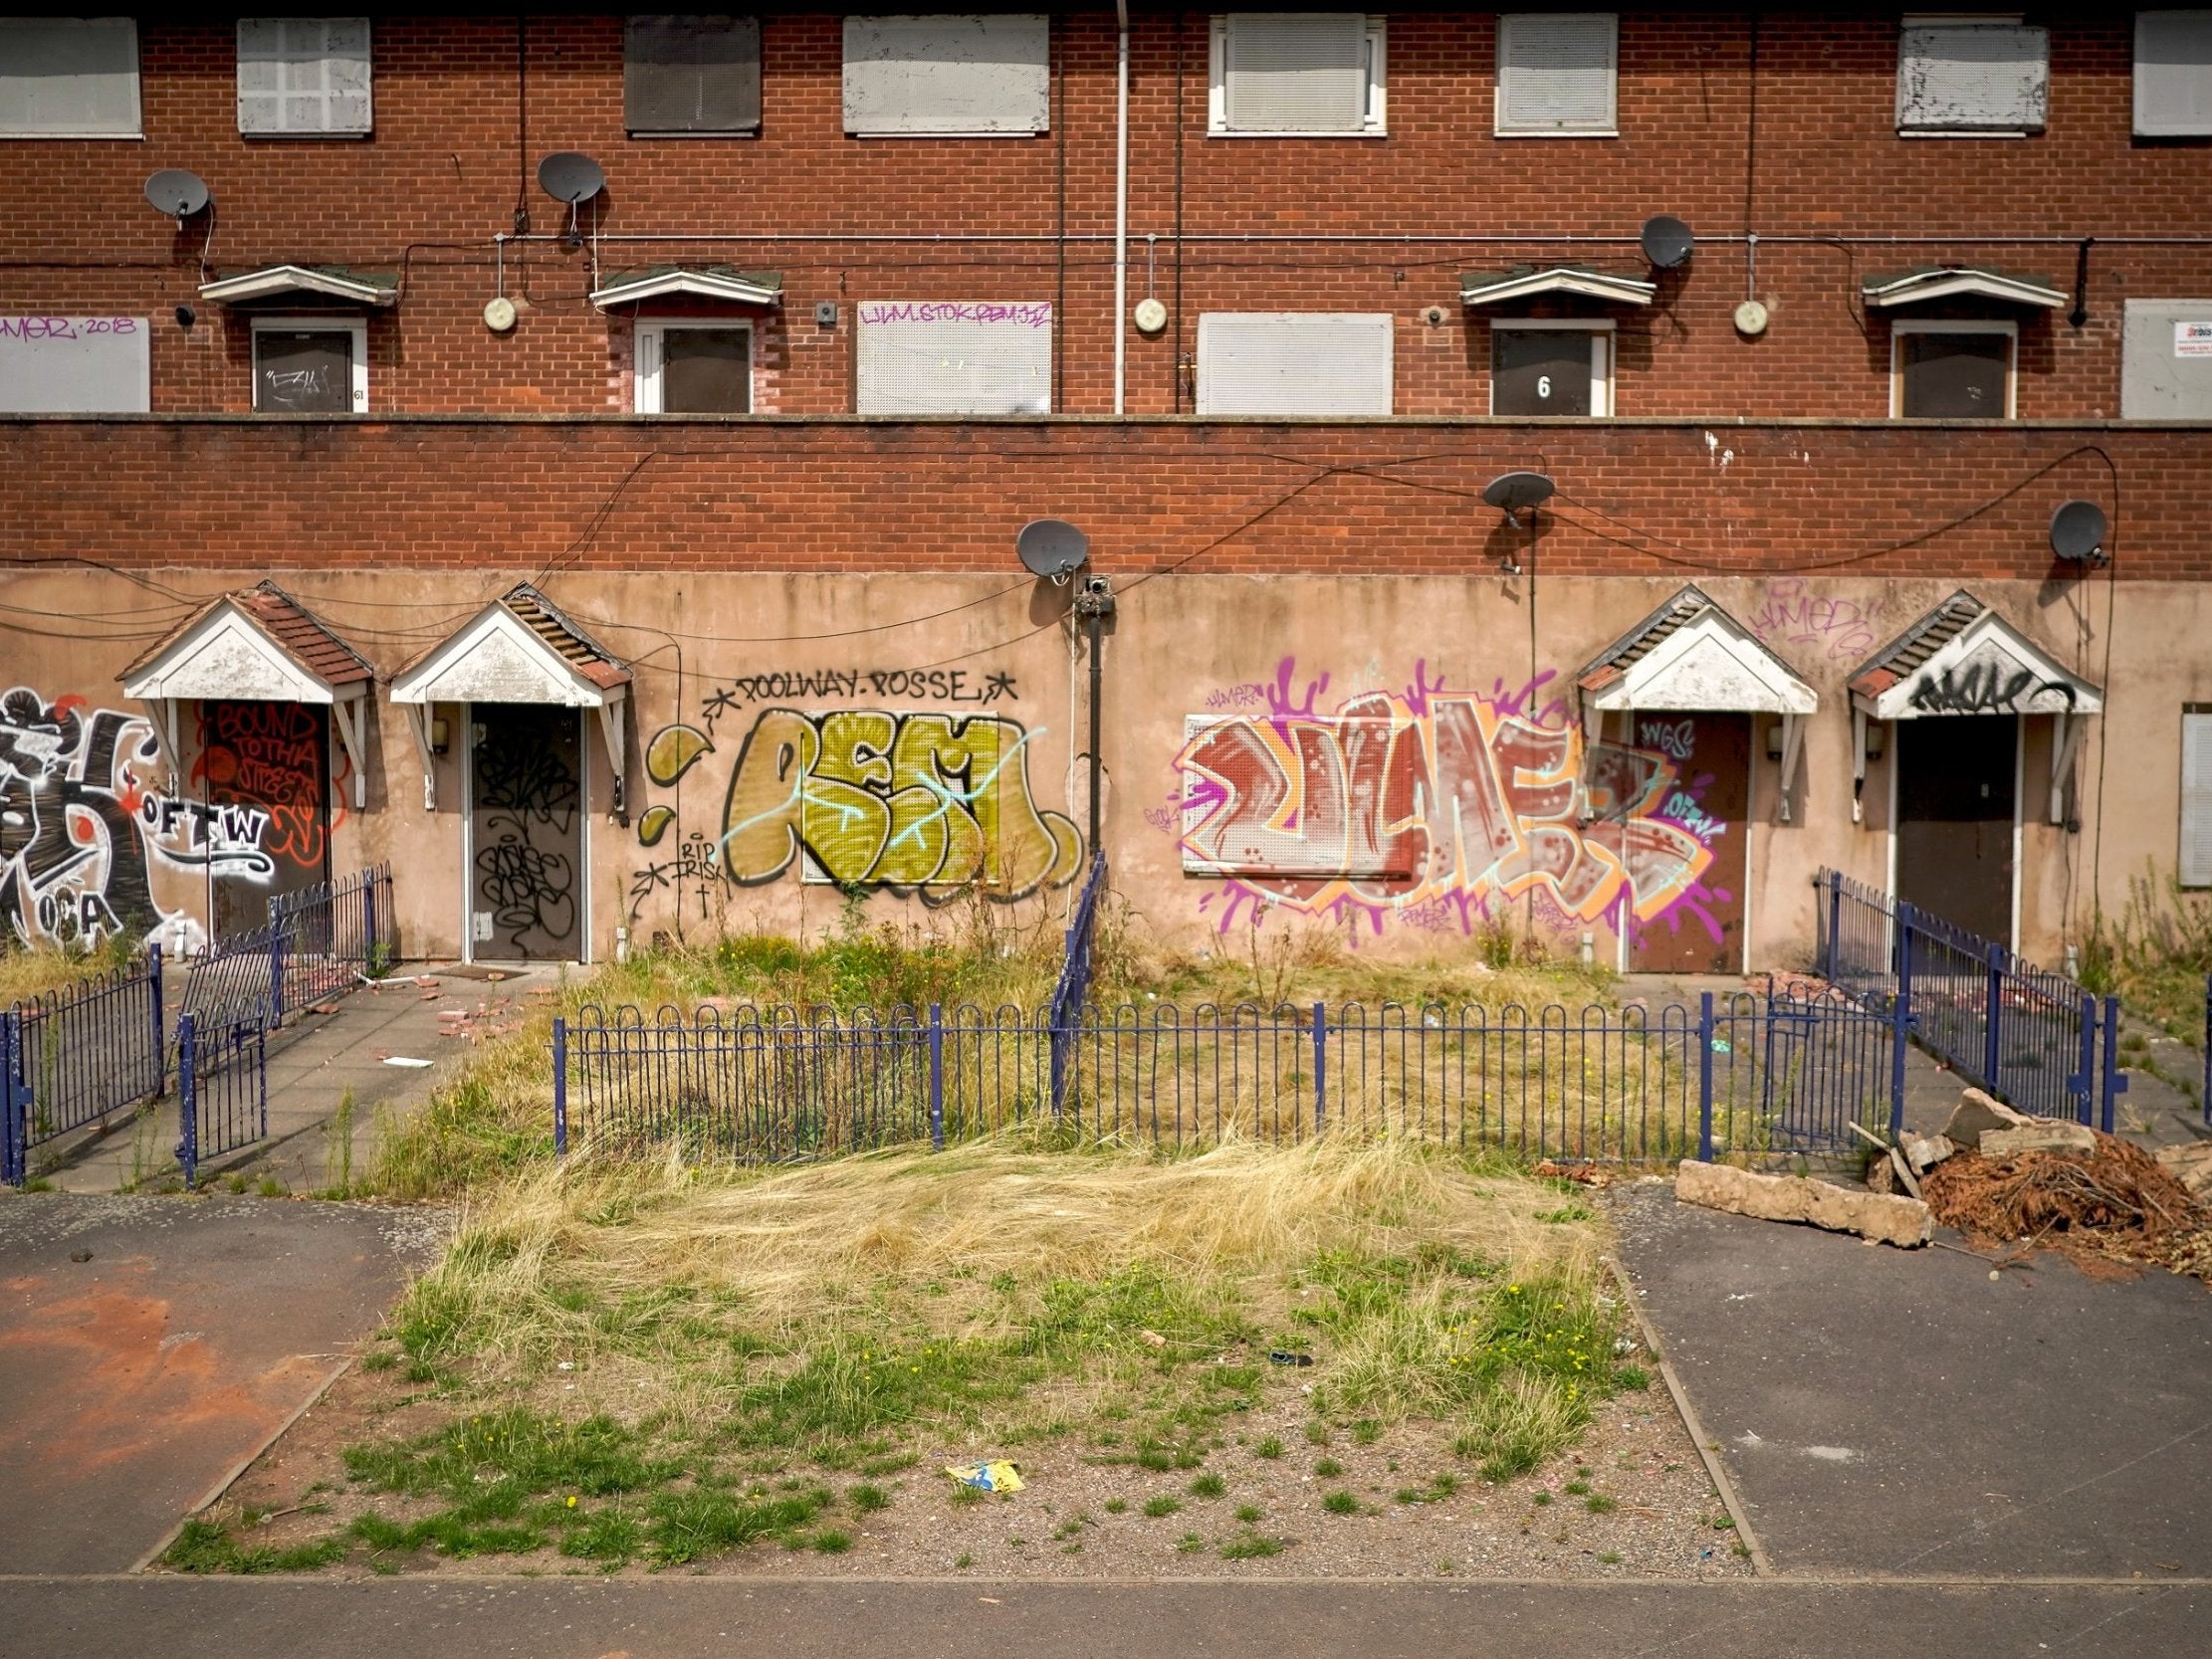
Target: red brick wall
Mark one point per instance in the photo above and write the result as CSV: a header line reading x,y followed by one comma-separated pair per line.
x,y
526,498
443,173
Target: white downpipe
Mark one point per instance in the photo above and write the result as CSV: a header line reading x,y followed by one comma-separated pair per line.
x,y
1121,210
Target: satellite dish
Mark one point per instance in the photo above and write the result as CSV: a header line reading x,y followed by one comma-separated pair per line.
x,y
570,176
176,192
1667,241
2078,531
1052,548
1511,492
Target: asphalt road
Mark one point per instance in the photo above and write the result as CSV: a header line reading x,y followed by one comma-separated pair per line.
x,y
706,1618
1889,1412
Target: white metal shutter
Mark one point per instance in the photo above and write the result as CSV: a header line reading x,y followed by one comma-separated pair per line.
x,y
685,73
2173,73
947,75
2196,800
1294,363
1295,73
1556,72
68,77
80,365
303,75
1973,76
953,357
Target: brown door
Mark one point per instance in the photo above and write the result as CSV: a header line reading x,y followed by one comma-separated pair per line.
x,y
1955,776
1710,798
264,818
526,826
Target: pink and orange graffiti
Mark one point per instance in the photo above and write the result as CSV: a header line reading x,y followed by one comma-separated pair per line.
x,y
1416,799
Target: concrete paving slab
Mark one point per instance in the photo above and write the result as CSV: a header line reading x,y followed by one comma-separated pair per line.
x,y
1884,1412
708,1618
135,1378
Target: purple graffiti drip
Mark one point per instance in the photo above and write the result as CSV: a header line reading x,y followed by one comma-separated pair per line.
x,y
1417,693
1279,695
1518,703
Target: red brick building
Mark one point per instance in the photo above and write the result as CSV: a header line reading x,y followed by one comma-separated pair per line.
x,y
726,460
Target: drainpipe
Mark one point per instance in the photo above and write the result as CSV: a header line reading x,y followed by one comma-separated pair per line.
x,y
1121,208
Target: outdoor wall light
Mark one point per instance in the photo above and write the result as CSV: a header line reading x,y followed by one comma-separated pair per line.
x,y
441,736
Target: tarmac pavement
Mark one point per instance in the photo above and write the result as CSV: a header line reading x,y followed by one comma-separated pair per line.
x,y
688,1617
150,1347
1883,1411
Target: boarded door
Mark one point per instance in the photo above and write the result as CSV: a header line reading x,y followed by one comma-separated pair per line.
x,y
526,826
1955,778
1710,798
264,778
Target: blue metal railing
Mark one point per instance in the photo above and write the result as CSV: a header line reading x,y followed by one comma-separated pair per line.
x,y
2036,1039
1747,1074
1074,987
71,1058
317,942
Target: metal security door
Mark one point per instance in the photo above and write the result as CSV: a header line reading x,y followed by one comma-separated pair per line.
x,y
526,829
1709,799
264,777
1955,792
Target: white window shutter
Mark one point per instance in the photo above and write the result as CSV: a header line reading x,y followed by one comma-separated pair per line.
x,y
68,77
946,77
1973,76
1296,73
1295,364
2196,800
953,357
1557,72
2173,73
304,74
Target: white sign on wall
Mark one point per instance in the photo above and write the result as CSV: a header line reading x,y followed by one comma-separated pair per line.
x,y
2192,340
76,366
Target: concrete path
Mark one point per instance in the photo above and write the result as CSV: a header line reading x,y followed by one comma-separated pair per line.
x,y
686,1617
1899,1412
150,1347
314,1062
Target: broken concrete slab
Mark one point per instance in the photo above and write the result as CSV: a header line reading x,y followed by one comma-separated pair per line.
x,y
1883,1217
2191,1165
1926,1152
1881,1175
2041,1135
1976,1113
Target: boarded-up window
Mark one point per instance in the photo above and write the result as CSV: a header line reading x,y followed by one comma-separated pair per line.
x,y
2196,796
691,76
954,357
2173,73
1303,73
2165,360
1556,73
1550,371
307,368
69,77
688,368
946,77
76,366
1978,75
1294,363
303,75
1951,373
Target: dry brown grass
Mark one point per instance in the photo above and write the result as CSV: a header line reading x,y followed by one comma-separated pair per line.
x,y
33,972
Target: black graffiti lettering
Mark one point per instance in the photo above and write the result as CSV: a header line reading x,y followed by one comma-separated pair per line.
x,y
74,862
1985,689
527,888
934,685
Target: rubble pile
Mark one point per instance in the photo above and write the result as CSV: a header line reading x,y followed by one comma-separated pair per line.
x,y
2064,1186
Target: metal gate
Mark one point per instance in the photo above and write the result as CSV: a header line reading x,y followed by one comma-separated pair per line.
x,y
222,1070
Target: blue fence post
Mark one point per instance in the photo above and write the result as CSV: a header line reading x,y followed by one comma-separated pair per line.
x,y
1834,918
561,1087
276,975
2206,1095
2081,1085
1992,1049
14,1113
160,1043
1320,1066
2115,1085
937,1077
189,1099
1901,1028
1705,1077
368,925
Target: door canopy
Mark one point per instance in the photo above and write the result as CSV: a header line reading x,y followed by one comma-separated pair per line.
x,y
518,649
1690,653
1962,658
257,645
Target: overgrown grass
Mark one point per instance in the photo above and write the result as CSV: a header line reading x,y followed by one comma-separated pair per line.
x,y
725,1340
2157,954
35,970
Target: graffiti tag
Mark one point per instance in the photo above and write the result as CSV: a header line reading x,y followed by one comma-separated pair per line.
x,y
1988,688
843,684
1791,613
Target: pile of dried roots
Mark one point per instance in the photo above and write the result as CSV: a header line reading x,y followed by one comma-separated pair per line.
x,y
2116,1202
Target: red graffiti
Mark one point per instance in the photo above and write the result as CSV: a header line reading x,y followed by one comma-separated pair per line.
x,y
269,755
